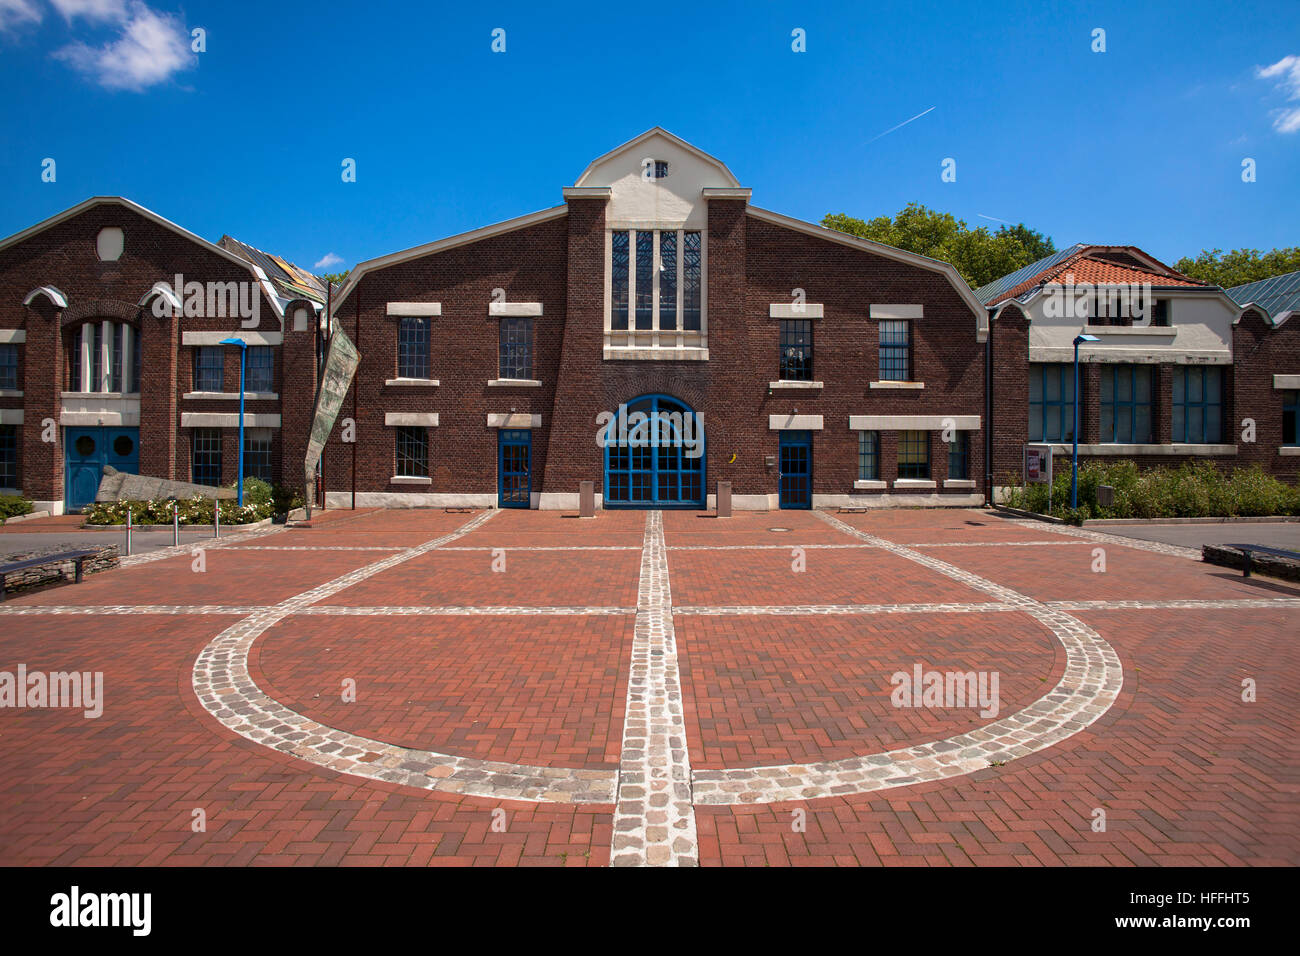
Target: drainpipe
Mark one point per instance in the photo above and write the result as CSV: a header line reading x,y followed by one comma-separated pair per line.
x,y
988,413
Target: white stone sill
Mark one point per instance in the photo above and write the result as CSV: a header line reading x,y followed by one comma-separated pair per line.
x,y
409,480
784,383
896,385
915,483
231,396
958,483
430,382
514,383
870,485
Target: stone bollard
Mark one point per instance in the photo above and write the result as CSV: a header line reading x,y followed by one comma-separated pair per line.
x,y
586,499
724,499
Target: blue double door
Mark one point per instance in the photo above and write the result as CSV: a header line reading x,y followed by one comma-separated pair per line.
x,y
85,453
514,468
796,469
654,455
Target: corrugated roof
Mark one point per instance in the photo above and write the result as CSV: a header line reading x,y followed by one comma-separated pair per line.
x,y
290,281
1277,294
998,287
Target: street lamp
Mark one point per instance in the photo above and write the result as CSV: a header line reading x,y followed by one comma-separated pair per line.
x,y
1074,462
243,353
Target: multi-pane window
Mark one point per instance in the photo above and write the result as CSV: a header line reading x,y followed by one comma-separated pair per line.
x,y
895,346
257,453
1126,404
259,369
796,350
205,456
413,347
8,366
1051,402
89,370
209,368
656,282
959,456
868,456
516,347
8,456
1198,405
1290,420
913,454
412,452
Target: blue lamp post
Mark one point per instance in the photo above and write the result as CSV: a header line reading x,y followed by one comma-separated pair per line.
x,y
1074,462
243,353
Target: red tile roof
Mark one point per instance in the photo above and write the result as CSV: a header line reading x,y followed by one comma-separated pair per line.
x,y
1095,264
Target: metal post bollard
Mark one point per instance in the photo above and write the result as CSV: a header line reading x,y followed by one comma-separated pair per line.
x,y
176,523
128,531
216,517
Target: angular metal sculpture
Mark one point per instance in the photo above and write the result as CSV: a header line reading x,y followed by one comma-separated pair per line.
x,y
120,486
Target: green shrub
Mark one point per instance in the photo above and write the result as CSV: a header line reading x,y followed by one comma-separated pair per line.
x,y
195,510
12,505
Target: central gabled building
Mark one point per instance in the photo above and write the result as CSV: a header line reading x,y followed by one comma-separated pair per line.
x,y
804,366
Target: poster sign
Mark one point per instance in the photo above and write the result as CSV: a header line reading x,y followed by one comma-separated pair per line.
x,y
1038,464
340,365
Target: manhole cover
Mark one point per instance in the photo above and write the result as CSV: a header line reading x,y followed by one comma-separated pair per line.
x,y
778,529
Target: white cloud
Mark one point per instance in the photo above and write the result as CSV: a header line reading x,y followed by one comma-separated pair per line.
x,y
150,48
101,10
329,261
1286,72
14,13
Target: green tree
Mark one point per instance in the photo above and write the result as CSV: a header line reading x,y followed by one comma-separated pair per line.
x,y
1239,266
978,254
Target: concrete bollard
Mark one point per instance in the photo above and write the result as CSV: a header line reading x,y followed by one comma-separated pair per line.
x,y
586,499
724,499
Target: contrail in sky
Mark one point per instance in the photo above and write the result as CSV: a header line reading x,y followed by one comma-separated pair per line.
x,y
900,125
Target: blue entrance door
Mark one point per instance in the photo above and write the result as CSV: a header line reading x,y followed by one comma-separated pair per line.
x,y
514,462
86,451
796,469
654,455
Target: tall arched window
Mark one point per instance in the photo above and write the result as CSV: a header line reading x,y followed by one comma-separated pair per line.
x,y
103,356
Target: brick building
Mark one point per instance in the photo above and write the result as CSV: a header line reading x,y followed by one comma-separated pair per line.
x,y
654,334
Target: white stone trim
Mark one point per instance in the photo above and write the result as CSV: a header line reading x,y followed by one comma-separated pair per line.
x,y
520,420
411,499
918,423
11,393
1165,330
11,416
1288,450
794,423
915,483
430,382
1152,449
896,312
514,309
908,385
421,310
93,419
514,383
13,336
897,500
870,484
790,384
795,310
57,298
688,354
428,419
231,396
726,192
410,480
958,483
1103,354
587,192
250,338
228,420
1279,381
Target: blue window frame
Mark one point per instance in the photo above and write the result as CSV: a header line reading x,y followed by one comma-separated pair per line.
x,y
959,456
514,483
1290,419
895,350
796,350
257,453
913,454
1126,404
620,242
659,463
8,366
209,368
868,456
413,347
205,456
412,451
795,461
1051,402
259,369
1198,405
516,359
8,456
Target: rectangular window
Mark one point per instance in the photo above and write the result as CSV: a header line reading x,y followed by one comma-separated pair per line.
x,y
619,279
895,341
796,350
692,268
8,456
257,453
1051,402
1160,313
668,280
913,454
645,286
73,363
412,452
209,368
413,347
959,456
868,456
259,369
1290,422
94,333
516,348
9,366
116,357
1126,404
1198,405
205,456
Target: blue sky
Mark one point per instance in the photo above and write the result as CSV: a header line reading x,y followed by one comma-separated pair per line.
x,y
1141,144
